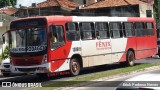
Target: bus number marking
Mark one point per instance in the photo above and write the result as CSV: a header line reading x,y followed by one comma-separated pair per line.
x,y
76,49
29,49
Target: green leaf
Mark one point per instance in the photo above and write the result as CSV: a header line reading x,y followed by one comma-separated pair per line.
x,y
4,3
5,54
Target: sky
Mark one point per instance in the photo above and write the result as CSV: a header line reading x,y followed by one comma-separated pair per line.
x,y
28,2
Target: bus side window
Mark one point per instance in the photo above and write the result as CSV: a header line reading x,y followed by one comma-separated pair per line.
x,y
56,36
72,31
102,30
52,34
116,29
87,30
139,29
128,29
149,29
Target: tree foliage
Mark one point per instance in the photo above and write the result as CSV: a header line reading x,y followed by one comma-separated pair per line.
x,y
4,3
156,10
5,54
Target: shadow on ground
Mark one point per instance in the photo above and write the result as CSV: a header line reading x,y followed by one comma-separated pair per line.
x,y
33,78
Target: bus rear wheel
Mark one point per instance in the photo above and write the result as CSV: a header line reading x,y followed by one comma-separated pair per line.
x,y
74,67
130,58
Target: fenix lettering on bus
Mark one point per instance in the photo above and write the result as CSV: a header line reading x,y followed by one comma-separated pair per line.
x,y
103,44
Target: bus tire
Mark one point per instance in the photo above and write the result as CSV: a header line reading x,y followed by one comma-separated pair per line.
x,y
130,58
74,67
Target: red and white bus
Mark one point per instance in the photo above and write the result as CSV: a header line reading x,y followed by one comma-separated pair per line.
x,y
48,44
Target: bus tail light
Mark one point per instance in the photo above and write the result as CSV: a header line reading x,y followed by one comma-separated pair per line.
x,y
44,59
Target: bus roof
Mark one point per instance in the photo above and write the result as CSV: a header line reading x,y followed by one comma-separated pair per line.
x,y
90,19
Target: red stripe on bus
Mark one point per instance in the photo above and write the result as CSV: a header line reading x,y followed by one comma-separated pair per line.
x,y
62,52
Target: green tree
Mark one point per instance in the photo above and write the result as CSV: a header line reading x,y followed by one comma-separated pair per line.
x,y
4,3
156,8
5,53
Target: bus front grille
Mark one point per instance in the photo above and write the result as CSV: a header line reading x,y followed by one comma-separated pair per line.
x,y
27,69
27,62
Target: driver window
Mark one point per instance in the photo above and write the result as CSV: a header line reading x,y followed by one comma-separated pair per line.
x,y
56,36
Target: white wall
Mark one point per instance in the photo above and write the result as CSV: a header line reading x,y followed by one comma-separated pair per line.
x,y
143,8
90,1
2,30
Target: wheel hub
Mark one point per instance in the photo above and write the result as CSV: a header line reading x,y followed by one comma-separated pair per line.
x,y
74,67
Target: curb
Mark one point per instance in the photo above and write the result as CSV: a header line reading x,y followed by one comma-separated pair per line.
x,y
109,78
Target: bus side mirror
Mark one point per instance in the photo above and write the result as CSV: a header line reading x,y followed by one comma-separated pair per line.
x,y
5,35
3,39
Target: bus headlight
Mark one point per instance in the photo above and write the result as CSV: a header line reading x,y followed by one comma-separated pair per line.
x,y
44,59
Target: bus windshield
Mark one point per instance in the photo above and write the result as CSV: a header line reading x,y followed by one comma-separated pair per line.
x,y
28,40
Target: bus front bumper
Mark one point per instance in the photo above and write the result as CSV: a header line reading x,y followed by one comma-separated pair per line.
x,y
43,68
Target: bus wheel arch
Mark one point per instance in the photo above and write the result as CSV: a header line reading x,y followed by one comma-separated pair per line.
x,y
75,64
130,57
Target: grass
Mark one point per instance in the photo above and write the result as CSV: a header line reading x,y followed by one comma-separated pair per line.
x,y
87,78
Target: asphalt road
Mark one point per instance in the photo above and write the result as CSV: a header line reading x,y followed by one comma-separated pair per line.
x,y
45,81
110,83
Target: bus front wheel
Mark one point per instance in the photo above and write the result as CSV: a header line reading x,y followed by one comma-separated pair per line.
x,y
130,58
74,67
